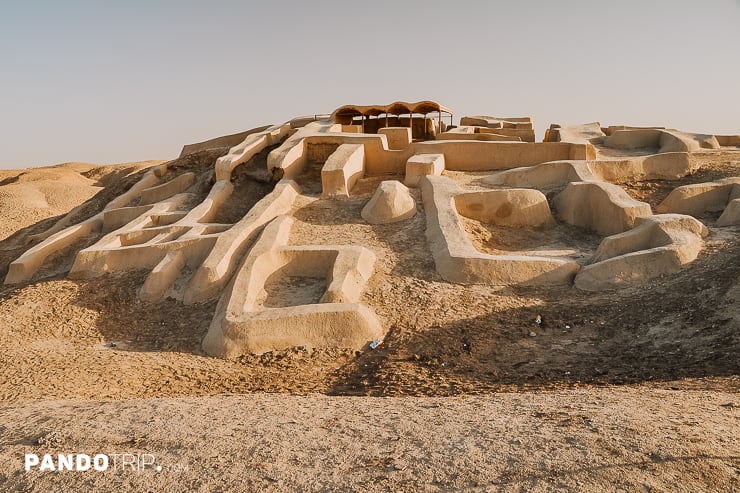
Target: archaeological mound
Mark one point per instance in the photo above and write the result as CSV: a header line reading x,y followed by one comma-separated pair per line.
x,y
500,209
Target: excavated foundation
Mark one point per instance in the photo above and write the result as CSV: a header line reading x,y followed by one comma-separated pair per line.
x,y
531,214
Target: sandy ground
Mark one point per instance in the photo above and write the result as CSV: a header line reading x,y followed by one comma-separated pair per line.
x,y
617,439
614,391
31,195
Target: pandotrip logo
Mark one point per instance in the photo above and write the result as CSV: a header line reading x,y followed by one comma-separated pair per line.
x,y
121,462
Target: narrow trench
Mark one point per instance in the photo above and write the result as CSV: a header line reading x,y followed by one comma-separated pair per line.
x,y
251,184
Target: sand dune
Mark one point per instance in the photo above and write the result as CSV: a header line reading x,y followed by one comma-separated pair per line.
x,y
34,194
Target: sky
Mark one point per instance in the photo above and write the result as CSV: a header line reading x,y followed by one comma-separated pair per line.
x,y
110,82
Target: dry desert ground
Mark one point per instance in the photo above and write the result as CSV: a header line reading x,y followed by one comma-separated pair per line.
x,y
628,390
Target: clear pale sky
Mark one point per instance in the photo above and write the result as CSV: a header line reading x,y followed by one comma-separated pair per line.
x,y
108,82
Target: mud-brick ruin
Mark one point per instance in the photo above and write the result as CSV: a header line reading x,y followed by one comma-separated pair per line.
x,y
226,231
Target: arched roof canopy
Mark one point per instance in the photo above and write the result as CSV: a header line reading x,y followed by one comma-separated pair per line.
x,y
397,108
345,114
424,107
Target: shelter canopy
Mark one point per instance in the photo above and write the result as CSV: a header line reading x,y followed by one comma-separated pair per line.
x,y
345,114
